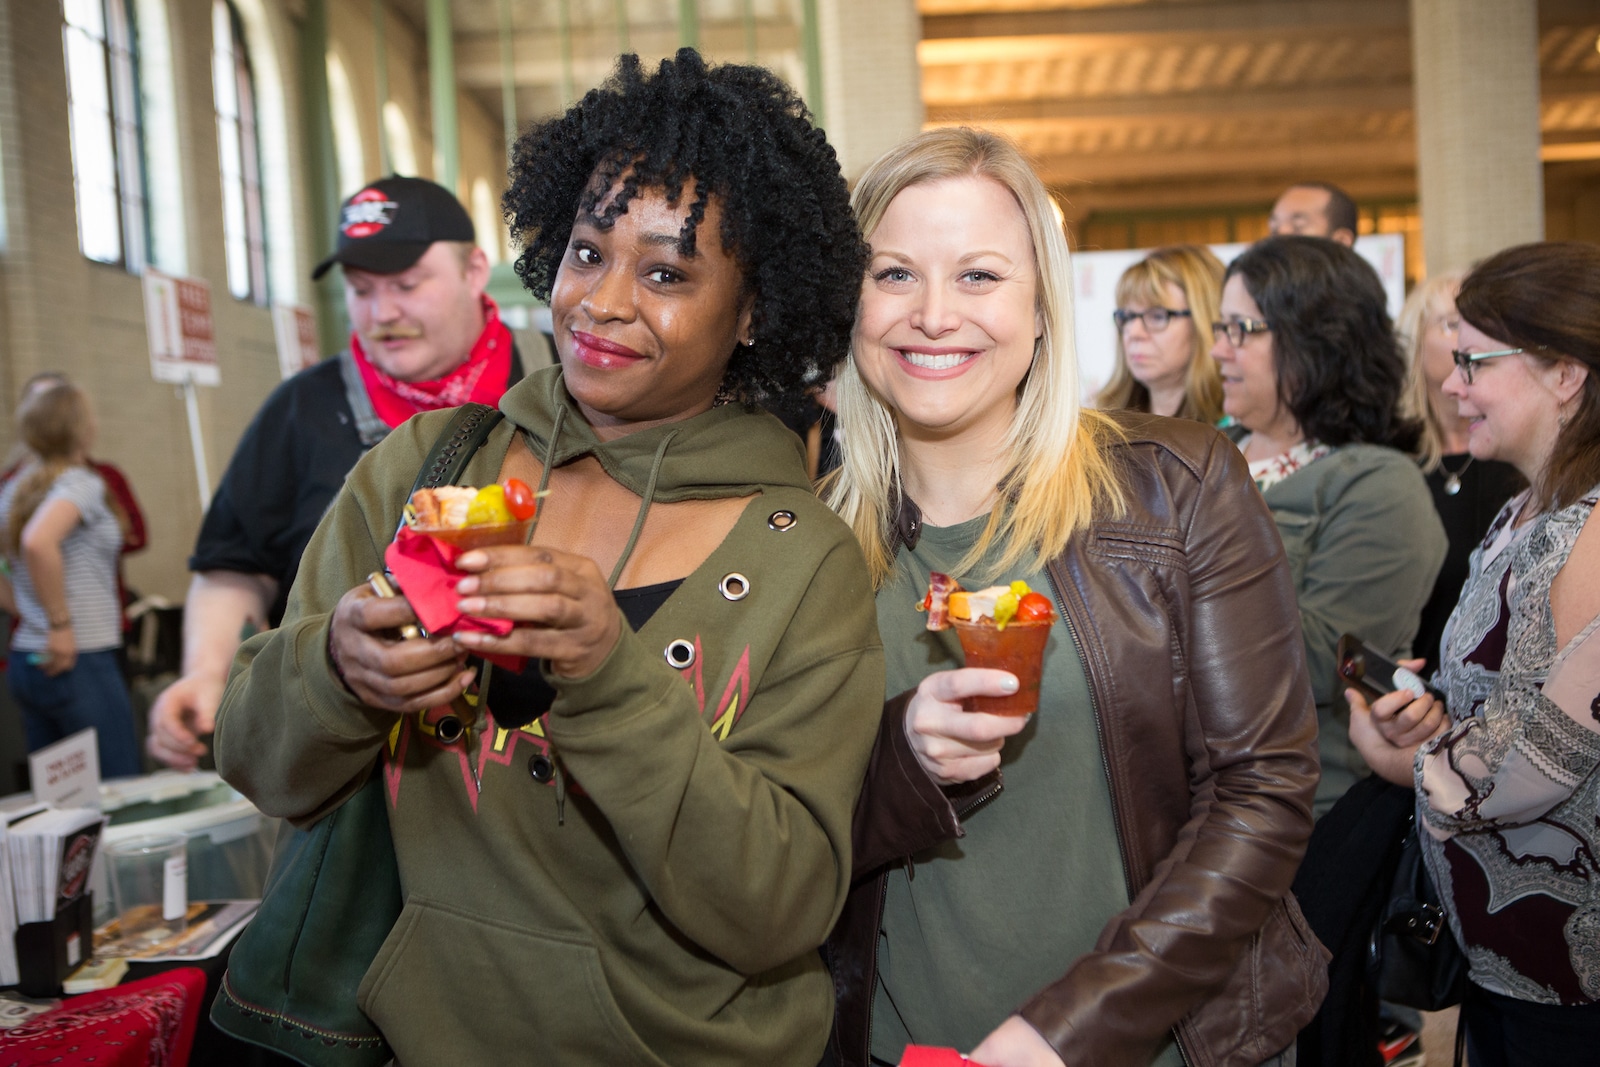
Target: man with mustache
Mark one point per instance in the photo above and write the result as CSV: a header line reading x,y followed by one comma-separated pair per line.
x,y
424,335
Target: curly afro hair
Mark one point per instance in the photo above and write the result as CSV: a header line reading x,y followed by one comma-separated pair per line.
x,y
741,135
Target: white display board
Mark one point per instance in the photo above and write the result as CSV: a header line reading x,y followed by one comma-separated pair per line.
x,y
1095,277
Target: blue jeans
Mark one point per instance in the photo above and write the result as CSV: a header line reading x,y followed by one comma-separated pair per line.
x,y
92,693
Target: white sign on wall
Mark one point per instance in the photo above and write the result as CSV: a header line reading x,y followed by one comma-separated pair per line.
x,y
1095,277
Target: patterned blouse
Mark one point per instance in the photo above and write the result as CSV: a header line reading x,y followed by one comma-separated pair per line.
x,y
1510,791
1274,469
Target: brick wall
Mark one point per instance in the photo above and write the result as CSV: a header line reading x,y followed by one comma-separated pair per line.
x,y
59,310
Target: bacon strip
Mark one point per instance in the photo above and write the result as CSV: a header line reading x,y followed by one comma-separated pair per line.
x,y
940,586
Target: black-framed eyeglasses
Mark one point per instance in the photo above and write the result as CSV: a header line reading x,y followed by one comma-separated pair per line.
x,y
1155,319
1236,330
1465,360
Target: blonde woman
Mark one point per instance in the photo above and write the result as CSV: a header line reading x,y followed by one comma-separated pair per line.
x,y
1164,364
1124,898
62,541
1467,492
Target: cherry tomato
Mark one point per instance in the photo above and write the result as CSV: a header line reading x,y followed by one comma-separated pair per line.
x,y
1034,607
519,499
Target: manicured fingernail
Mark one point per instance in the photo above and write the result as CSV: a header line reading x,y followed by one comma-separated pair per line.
x,y
469,584
470,605
1010,684
472,559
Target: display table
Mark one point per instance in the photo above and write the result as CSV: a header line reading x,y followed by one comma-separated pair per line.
x,y
149,1022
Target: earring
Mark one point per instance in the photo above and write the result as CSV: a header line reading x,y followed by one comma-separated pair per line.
x,y
751,343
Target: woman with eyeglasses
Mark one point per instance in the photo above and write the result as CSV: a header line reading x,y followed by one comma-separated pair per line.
x,y
1507,785
1312,373
1467,492
1164,363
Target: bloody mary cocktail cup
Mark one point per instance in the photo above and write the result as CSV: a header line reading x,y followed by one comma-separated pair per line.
x,y
466,537
1019,648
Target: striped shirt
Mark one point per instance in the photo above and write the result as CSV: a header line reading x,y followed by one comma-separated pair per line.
x,y
89,558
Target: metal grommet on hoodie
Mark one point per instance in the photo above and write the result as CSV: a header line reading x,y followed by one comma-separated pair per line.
x,y
449,729
782,521
540,767
680,654
734,586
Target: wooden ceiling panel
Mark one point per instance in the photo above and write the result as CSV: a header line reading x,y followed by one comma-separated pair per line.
x,y
1166,93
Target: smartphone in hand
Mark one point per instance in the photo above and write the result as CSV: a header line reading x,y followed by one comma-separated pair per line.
x,y
1373,674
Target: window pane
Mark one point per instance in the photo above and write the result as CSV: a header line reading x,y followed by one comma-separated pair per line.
x,y
86,71
238,158
347,154
94,165
222,60
402,153
85,14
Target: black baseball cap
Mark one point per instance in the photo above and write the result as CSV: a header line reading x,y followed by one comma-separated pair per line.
x,y
387,226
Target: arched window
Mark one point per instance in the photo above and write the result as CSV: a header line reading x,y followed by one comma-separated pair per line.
x,y
107,151
347,154
402,153
238,147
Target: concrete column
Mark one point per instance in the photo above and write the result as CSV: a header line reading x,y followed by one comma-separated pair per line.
x,y
871,85
1476,72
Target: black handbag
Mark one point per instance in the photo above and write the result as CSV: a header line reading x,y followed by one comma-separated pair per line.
x,y
1413,958
332,896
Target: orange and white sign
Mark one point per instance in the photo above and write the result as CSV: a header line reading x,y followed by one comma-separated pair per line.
x,y
183,340
296,330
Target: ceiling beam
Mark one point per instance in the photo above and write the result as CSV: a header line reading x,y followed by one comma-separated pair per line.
x,y
537,58
1178,107
1240,16
1159,107
1081,200
1234,17
1291,161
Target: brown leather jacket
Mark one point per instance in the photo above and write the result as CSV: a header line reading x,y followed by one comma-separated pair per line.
x,y
1212,764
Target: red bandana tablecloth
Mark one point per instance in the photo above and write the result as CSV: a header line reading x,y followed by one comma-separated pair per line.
x,y
148,1023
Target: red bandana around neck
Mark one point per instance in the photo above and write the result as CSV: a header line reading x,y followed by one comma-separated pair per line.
x,y
481,378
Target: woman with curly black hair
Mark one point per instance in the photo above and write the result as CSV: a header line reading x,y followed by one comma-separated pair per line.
x,y
633,850
1312,374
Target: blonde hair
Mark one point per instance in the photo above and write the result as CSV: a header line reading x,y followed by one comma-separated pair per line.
x,y
1419,400
1059,475
1197,273
54,422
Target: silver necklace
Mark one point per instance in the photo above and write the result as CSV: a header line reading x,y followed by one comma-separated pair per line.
x,y
1452,479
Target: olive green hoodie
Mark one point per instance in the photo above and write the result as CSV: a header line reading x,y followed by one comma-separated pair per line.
x,y
670,914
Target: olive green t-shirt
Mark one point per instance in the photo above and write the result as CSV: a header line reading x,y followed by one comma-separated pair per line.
x,y
978,925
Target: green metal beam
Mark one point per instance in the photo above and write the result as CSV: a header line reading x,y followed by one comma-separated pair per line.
x,y
811,41
380,65
442,92
569,91
750,30
321,177
622,27
688,24
508,79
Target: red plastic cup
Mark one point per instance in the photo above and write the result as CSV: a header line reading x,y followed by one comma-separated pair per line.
x,y
1019,648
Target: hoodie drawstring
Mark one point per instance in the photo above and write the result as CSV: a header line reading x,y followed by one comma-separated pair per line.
x,y
560,775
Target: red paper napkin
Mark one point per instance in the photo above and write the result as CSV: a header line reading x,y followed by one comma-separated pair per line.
x,y
928,1056
425,571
